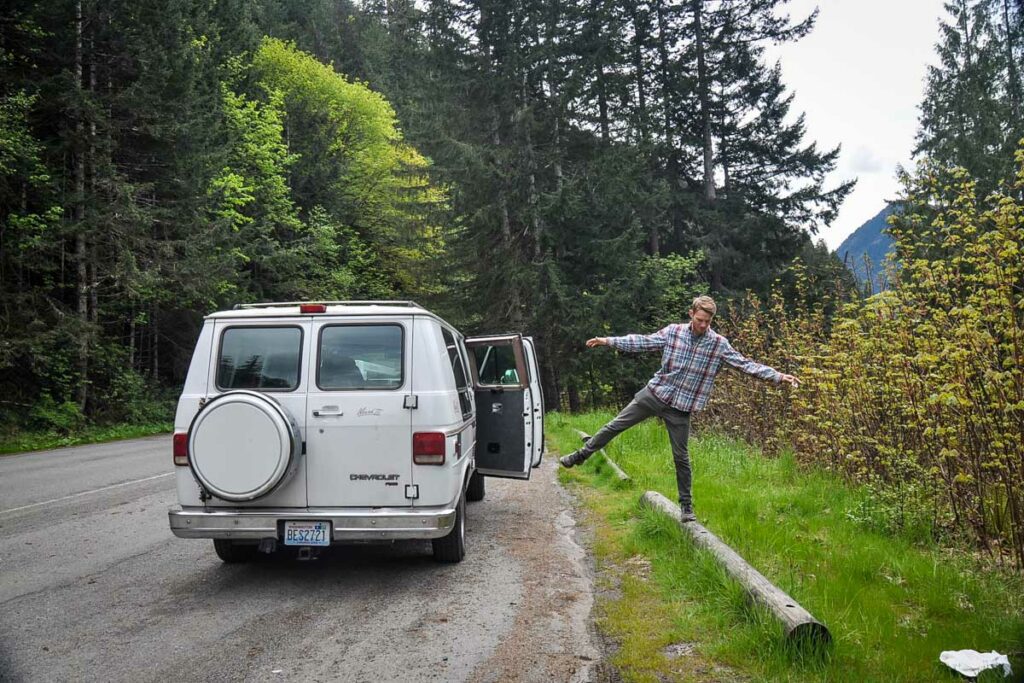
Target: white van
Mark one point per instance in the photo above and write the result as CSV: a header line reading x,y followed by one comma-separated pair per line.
x,y
305,424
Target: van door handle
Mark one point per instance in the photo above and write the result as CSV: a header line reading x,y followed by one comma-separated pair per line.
x,y
328,411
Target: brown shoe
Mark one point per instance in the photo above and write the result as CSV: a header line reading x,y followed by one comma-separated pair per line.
x,y
686,514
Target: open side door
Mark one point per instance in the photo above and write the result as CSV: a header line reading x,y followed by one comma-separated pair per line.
x,y
536,399
504,409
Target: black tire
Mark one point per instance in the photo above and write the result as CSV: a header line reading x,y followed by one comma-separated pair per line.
x,y
452,548
232,552
476,489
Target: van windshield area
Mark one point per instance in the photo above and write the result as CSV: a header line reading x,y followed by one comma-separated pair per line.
x,y
259,358
360,357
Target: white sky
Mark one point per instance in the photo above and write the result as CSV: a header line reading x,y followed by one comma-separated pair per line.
x,y
858,77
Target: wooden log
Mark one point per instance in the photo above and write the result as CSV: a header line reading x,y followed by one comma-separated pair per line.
x,y
615,468
800,626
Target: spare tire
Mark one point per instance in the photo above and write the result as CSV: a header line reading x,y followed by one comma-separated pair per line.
x,y
242,445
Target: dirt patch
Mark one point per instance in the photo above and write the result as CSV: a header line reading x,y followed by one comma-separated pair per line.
x,y
553,638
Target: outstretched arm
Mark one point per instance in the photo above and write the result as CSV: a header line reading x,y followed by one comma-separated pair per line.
x,y
744,364
632,342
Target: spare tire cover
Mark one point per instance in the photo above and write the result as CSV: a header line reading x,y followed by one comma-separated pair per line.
x,y
243,445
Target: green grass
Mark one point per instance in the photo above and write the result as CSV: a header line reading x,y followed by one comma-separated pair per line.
x,y
891,605
33,441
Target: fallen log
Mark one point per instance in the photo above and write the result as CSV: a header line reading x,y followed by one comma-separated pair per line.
x,y
799,625
615,468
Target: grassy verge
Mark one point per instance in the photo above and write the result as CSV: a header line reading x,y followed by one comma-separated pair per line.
x,y
891,605
42,441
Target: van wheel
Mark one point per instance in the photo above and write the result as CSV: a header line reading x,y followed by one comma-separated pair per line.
x,y
452,548
232,552
475,491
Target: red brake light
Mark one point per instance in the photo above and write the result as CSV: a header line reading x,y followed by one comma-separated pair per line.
x,y
180,442
428,448
312,308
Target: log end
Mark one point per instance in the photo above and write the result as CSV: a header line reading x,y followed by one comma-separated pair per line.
x,y
809,634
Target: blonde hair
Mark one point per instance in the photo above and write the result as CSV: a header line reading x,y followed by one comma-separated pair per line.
x,y
704,303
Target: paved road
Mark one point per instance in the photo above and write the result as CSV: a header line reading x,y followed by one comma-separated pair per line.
x,y
94,587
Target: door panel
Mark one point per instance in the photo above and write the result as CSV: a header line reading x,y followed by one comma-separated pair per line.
x,y
269,356
503,406
536,400
359,443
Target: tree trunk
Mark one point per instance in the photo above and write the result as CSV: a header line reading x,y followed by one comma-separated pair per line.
x,y
131,337
78,216
574,398
666,79
667,100
552,389
638,70
705,104
91,164
532,200
154,340
506,223
555,81
1012,74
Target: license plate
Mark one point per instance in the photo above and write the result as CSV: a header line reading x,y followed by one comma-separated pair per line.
x,y
307,533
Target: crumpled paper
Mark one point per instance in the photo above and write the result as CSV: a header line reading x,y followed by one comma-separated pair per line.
x,y
971,662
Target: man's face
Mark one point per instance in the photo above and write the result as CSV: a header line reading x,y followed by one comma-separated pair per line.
x,y
700,321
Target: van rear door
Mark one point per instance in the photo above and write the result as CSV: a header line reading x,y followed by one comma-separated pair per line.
x,y
504,409
536,399
268,355
359,444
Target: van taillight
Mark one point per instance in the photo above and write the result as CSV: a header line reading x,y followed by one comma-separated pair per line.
x,y
312,308
180,442
428,448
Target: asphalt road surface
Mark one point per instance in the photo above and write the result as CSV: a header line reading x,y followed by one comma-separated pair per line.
x,y
94,587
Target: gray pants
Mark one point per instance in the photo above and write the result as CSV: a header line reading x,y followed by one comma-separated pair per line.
x,y
643,406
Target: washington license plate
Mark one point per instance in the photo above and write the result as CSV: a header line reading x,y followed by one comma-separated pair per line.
x,y
307,533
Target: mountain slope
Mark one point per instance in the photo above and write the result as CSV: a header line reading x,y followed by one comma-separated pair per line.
x,y
868,240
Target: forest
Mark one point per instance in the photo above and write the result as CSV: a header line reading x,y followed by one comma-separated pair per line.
x,y
563,168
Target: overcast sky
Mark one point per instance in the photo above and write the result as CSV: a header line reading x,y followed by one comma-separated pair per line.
x,y
858,77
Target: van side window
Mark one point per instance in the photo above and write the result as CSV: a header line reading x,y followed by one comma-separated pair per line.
x,y
259,358
360,357
461,384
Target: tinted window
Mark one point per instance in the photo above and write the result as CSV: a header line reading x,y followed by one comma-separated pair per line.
x,y
360,357
259,358
458,371
496,364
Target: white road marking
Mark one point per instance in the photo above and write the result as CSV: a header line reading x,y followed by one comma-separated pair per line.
x,y
86,493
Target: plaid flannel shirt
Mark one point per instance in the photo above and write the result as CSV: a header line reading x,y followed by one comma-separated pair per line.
x,y
689,363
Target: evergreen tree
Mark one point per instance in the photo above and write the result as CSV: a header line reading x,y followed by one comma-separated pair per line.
x,y
967,114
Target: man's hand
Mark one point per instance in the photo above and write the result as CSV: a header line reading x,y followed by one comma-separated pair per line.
x,y
789,378
597,341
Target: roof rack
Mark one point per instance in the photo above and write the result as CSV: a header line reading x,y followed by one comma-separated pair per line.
x,y
270,304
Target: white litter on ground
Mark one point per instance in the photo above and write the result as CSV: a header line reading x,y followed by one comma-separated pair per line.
x,y
971,662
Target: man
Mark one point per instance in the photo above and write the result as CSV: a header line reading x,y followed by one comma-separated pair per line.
x,y
691,356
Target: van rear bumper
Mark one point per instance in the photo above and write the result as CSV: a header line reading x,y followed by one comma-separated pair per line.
x,y
347,524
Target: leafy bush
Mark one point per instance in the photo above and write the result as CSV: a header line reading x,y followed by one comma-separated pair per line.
x,y
918,391
59,416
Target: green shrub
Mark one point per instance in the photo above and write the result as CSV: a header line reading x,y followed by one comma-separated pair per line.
x,y
50,415
918,391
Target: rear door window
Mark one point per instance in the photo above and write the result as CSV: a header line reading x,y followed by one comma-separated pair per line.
x,y
266,358
356,357
496,365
